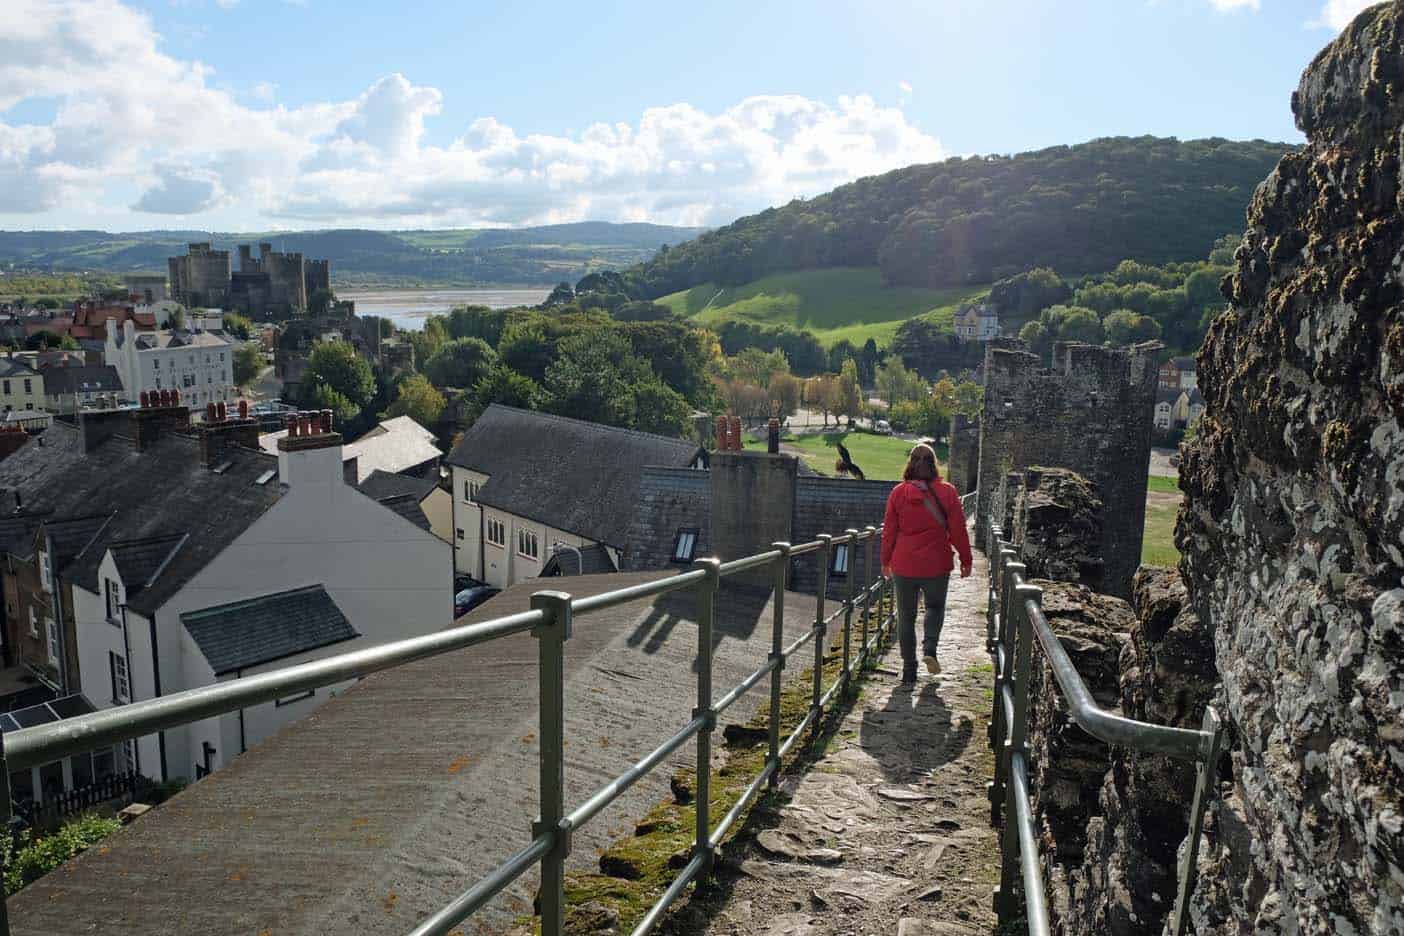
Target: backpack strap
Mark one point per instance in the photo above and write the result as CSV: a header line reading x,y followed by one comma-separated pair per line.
x,y
933,507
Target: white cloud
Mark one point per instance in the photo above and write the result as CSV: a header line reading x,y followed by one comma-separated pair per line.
x,y
1225,6
905,87
132,118
1337,14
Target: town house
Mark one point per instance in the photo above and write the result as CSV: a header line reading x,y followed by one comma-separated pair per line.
x,y
199,365
143,559
527,484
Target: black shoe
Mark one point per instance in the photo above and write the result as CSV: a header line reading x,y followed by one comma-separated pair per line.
x,y
908,679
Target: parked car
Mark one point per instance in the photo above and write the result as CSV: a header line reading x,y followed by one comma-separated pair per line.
x,y
882,427
470,598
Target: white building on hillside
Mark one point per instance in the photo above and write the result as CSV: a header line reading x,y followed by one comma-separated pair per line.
x,y
199,365
977,323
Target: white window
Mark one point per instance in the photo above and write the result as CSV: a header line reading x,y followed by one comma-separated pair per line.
x,y
44,582
840,563
470,490
53,642
527,544
497,533
27,386
114,601
121,688
684,546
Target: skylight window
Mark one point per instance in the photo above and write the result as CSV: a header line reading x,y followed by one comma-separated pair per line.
x,y
265,477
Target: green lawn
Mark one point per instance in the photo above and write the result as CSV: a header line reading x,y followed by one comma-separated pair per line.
x,y
882,458
834,304
1158,542
1163,485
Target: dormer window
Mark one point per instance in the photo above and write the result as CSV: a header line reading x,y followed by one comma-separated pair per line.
x,y
684,545
114,600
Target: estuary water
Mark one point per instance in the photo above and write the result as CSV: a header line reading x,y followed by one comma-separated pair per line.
x,y
408,308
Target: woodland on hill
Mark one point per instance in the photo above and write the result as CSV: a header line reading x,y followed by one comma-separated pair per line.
x,y
1077,209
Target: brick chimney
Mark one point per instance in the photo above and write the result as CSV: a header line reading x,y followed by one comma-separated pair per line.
x,y
723,439
98,426
220,431
163,414
734,434
310,454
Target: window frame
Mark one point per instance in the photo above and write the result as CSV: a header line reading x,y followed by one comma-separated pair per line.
x,y
839,559
121,687
527,537
501,527
675,556
111,596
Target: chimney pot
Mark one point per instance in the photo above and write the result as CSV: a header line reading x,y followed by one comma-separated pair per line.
x,y
145,399
292,426
772,440
243,409
735,434
209,413
304,424
222,412
326,420
721,434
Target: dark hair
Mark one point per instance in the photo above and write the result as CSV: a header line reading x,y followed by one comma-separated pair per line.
x,y
921,464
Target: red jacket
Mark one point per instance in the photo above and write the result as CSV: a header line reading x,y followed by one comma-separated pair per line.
x,y
914,545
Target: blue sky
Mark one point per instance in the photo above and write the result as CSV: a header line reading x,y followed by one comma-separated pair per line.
x,y
265,113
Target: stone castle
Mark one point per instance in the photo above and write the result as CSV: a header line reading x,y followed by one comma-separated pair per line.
x,y
272,284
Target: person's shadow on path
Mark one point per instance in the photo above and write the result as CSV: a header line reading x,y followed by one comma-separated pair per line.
x,y
913,736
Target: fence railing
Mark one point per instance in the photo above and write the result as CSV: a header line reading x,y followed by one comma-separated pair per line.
x,y
551,620
1015,624
60,806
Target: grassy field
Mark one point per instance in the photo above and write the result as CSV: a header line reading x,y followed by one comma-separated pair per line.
x,y
1163,485
834,304
881,457
1158,542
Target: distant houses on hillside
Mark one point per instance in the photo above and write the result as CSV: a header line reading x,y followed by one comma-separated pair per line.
x,y
979,322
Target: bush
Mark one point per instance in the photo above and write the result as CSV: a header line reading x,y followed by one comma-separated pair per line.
x,y
32,858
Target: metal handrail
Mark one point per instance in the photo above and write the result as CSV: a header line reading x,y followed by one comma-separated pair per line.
x,y
1015,623
550,621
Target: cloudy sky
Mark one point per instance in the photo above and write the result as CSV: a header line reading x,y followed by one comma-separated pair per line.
x,y
266,114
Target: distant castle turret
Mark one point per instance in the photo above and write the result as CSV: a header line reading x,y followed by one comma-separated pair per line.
x,y
268,285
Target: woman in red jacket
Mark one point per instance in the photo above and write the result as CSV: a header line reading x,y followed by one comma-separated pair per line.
x,y
924,523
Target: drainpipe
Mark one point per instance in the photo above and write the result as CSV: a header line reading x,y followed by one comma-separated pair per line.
x,y
131,686
156,685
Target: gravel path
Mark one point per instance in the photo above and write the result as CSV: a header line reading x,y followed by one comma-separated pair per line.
x,y
887,832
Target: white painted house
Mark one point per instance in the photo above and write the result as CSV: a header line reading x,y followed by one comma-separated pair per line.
x,y
977,323
218,561
525,483
199,365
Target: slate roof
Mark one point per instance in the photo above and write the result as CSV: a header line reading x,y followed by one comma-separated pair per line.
x,y
260,630
576,476
138,561
401,493
89,378
177,338
1185,364
396,445
593,560
9,367
1167,395
164,491
670,499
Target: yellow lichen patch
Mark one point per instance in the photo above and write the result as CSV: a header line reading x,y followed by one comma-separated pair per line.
x,y
458,764
389,902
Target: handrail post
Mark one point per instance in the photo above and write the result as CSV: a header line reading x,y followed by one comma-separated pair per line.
x,y
1205,786
1004,676
991,608
865,657
850,574
5,815
706,621
551,634
1021,650
777,657
820,628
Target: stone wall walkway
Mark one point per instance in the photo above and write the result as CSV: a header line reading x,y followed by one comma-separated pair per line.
x,y
886,833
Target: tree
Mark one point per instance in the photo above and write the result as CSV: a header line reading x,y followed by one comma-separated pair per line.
x,y
504,386
461,362
1124,327
596,377
526,348
248,364
320,302
784,394
744,400
755,366
324,397
419,400
823,393
969,398
850,392
335,366
897,384
238,326
46,303
46,340
561,295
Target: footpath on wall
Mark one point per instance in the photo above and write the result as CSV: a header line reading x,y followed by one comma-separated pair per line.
x,y
887,831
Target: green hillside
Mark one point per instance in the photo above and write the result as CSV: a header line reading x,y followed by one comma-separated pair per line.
x,y
835,304
1078,209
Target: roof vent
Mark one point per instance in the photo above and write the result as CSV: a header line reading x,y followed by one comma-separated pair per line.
x,y
222,467
265,477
